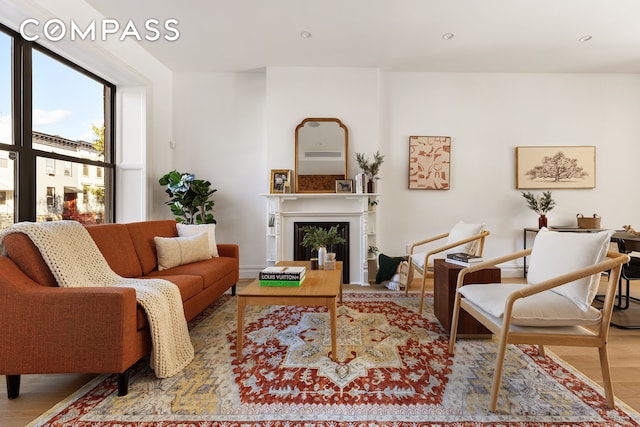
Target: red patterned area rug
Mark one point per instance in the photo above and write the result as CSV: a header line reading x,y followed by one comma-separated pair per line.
x,y
393,369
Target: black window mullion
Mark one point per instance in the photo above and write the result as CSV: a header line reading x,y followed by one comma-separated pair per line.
x,y
27,161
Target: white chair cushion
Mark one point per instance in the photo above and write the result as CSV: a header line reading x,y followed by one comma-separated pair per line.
x,y
185,230
544,309
462,231
555,253
417,259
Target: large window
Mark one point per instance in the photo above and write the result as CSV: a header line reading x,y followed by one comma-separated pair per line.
x,y
56,125
6,129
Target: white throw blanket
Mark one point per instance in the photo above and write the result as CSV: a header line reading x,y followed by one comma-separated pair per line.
x,y
76,261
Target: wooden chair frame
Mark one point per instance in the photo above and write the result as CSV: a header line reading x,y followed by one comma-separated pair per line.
x,y
409,277
594,336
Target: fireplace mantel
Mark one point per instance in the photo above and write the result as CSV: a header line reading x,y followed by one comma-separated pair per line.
x,y
283,210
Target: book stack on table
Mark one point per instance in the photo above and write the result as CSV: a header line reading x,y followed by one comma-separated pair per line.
x,y
464,259
282,276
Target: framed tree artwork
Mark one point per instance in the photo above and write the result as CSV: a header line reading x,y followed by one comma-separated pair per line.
x,y
429,162
548,167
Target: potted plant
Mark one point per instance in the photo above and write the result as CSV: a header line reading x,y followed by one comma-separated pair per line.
x,y
540,205
373,251
370,169
190,198
320,239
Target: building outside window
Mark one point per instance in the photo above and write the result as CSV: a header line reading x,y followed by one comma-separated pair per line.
x,y
51,197
51,167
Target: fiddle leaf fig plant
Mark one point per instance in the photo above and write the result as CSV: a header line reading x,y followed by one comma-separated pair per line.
x,y
190,197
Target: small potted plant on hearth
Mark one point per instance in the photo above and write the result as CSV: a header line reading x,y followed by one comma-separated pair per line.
x,y
372,263
322,239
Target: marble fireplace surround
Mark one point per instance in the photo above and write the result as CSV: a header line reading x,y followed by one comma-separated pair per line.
x,y
285,210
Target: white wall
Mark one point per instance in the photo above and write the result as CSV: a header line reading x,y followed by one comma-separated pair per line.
x,y
238,127
487,116
293,94
220,135
232,129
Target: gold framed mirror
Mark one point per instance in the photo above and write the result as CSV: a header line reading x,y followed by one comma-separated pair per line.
x,y
321,146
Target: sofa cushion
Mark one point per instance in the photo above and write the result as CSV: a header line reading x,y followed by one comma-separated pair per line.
x,y
175,251
210,270
188,285
142,234
24,253
114,241
191,229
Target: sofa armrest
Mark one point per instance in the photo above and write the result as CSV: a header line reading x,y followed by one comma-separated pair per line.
x,y
57,330
229,250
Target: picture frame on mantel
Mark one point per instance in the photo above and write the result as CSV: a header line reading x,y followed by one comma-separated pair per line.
x,y
537,167
344,186
429,162
280,181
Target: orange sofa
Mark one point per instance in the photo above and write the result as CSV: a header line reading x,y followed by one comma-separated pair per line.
x,y
48,329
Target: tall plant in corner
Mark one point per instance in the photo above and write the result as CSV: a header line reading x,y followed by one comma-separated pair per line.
x,y
190,197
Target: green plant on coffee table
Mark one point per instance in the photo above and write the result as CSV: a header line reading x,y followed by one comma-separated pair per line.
x,y
190,197
316,237
539,204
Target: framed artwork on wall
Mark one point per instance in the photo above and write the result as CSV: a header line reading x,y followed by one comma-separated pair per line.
x,y
344,186
548,167
280,180
429,162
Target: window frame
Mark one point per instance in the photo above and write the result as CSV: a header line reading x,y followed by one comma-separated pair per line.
x,y
25,163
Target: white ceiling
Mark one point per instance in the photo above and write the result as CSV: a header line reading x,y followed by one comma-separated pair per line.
x,y
398,35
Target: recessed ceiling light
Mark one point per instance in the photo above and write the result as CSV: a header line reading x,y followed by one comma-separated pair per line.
x,y
448,36
305,35
585,38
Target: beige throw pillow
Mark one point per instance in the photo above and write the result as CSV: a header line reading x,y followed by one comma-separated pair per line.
x,y
175,251
192,229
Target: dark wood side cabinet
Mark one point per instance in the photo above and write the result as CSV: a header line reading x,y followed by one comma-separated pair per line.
x,y
445,277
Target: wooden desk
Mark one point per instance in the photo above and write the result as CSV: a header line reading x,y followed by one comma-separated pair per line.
x,y
320,287
445,278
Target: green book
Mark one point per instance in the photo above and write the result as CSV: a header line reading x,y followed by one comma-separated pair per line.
x,y
282,282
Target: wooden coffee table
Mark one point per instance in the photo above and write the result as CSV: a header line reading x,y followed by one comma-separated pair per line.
x,y
321,287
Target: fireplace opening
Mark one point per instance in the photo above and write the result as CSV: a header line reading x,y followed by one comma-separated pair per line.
x,y
300,253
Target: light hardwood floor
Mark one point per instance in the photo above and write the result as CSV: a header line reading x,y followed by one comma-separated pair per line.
x,y
41,392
